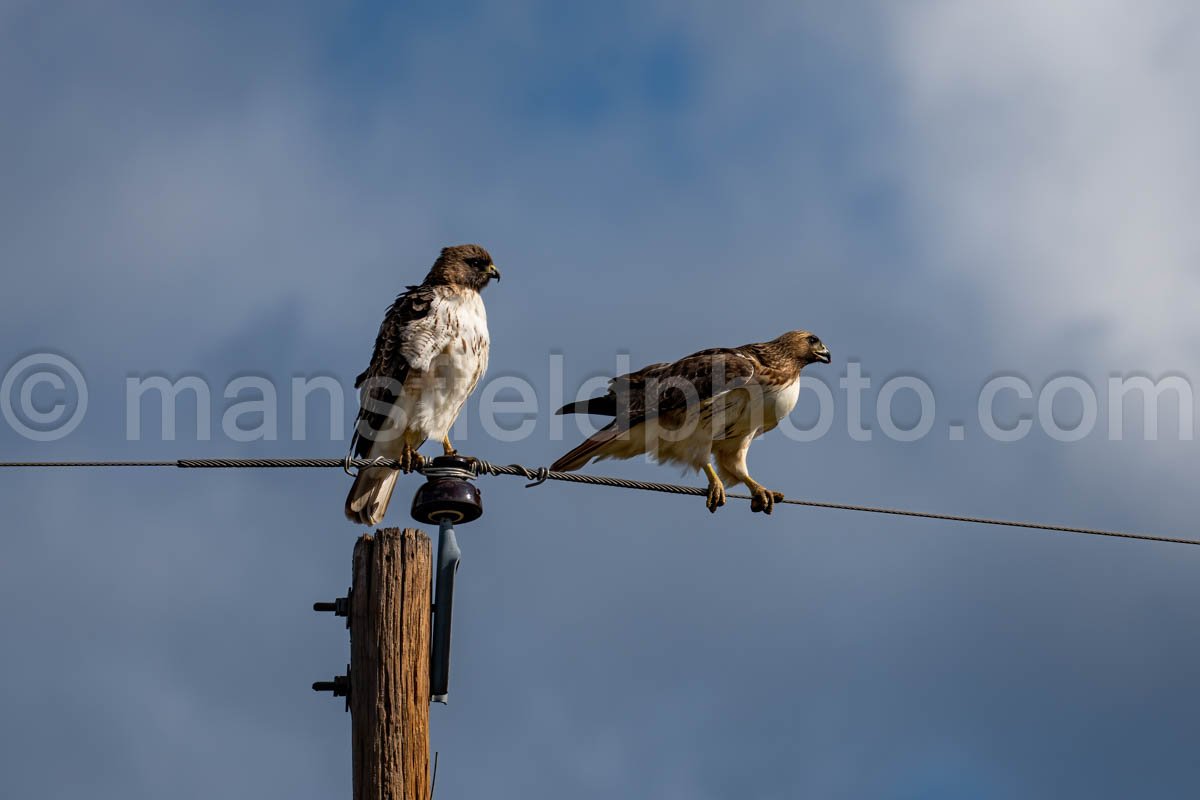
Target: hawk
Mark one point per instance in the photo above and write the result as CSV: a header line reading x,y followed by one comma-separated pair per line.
x,y
705,407
431,351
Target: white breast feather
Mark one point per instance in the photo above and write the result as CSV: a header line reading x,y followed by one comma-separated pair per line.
x,y
452,345
780,403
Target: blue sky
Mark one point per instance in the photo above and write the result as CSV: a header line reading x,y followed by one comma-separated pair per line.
x,y
953,191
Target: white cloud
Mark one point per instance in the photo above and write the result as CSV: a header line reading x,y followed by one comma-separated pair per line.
x,y
1052,151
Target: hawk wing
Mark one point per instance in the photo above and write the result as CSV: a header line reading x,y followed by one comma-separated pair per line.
x,y
659,389
708,372
663,388
409,338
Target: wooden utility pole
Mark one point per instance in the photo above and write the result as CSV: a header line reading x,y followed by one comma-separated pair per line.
x,y
389,665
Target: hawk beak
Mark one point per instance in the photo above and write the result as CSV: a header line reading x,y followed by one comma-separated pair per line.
x,y
493,272
823,355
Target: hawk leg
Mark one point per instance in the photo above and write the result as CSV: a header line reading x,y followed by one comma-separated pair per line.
x,y
410,459
761,498
447,448
716,490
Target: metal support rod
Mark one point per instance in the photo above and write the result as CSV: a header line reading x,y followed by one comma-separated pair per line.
x,y
443,613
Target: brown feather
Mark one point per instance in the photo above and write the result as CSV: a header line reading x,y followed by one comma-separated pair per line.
x,y
587,449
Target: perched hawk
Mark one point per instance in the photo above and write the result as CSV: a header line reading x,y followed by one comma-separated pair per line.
x,y
431,351
709,405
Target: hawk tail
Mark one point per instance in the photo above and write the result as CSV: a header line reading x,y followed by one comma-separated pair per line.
x,y
586,451
368,499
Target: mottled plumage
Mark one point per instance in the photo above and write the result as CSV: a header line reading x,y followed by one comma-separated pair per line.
x,y
707,406
430,353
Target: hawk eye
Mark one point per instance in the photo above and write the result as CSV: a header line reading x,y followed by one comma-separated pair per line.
x,y
813,340
477,262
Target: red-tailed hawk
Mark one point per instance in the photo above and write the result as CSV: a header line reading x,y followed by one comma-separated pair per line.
x,y
431,351
707,406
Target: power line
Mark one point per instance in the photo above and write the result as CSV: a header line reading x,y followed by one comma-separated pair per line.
x,y
540,475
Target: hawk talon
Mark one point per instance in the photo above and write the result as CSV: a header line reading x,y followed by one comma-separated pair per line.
x,y
764,500
716,490
411,460
716,498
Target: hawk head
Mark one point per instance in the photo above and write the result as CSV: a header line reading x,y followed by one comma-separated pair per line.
x,y
805,347
465,265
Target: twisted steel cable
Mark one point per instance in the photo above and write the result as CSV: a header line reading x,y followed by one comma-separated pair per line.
x,y
540,475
